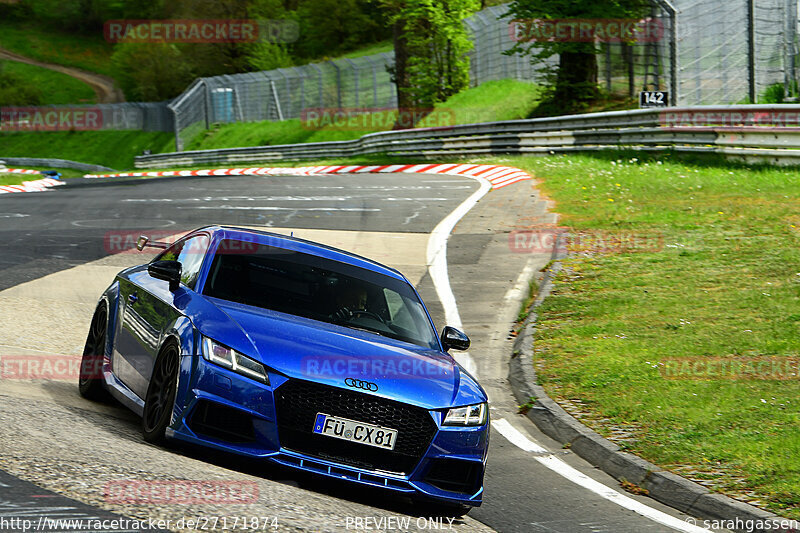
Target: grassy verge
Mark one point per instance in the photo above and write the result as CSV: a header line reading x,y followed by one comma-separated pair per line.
x,y
114,149
496,100
16,179
678,265
368,50
55,88
86,52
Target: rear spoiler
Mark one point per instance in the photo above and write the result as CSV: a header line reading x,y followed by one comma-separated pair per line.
x,y
144,242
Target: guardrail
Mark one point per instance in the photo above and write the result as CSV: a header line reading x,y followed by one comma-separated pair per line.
x,y
767,133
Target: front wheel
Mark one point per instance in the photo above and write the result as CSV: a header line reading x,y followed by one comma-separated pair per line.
x,y
160,398
90,381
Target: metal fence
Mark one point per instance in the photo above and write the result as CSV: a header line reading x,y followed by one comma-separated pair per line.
x,y
711,52
731,51
149,116
360,83
490,35
365,83
751,133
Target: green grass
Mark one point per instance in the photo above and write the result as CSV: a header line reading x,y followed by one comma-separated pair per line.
x,y
86,52
56,88
114,149
368,50
266,133
717,275
16,179
495,100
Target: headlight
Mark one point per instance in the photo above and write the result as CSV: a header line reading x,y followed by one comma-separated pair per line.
x,y
471,415
233,360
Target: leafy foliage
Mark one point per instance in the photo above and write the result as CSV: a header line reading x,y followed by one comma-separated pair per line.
x,y
326,28
150,72
572,82
431,46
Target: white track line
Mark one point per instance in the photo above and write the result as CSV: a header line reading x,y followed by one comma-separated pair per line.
x,y
437,266
519,291
561,468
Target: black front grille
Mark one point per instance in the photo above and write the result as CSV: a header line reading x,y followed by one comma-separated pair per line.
x,y
298,402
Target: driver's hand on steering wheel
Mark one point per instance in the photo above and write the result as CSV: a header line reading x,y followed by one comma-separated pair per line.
x,y
342,315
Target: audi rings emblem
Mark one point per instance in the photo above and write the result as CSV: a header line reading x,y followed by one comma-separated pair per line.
x,y
359,384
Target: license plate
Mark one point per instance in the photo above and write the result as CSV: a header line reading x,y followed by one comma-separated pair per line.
x,y
345,429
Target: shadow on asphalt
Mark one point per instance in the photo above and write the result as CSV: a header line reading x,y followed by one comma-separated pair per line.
x,y
110,415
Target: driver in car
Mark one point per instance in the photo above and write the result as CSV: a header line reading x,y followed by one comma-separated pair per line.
x,y
349,298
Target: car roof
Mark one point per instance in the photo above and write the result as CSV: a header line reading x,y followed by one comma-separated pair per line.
x,y
302,245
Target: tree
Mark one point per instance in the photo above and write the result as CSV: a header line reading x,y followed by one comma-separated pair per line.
x,y
150,72
329,27
431,46
573,81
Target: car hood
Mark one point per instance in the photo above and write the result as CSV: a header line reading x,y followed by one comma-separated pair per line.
x,y
316,351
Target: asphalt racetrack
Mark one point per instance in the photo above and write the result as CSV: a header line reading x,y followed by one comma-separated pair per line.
x,y
61,248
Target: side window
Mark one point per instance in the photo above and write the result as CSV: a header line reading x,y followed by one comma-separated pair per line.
x,y
398,312
190,254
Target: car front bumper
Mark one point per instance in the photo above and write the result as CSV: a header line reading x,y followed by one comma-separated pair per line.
x,y
220,409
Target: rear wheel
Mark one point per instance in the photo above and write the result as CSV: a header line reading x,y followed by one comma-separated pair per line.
x,y
160,397
90,382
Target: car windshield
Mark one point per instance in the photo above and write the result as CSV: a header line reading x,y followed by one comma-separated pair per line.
x,y
321,289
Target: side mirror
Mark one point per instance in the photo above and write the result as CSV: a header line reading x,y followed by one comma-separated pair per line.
x,y
167,271
455,339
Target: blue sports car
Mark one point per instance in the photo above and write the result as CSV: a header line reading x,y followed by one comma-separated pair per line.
x,y
279,348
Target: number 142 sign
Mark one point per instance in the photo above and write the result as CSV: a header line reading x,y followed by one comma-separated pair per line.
x,y
654,99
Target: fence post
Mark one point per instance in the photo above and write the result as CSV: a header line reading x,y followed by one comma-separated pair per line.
x,y
178,143
355,76
751,51
338,84
206,97
320,103
374,85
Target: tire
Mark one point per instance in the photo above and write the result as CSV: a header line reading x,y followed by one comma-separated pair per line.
x,y
90,381
160,398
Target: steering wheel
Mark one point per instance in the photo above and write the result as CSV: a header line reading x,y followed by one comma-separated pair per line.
x,y
369,314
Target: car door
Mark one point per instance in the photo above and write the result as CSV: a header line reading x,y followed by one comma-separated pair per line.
x,y
148,309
